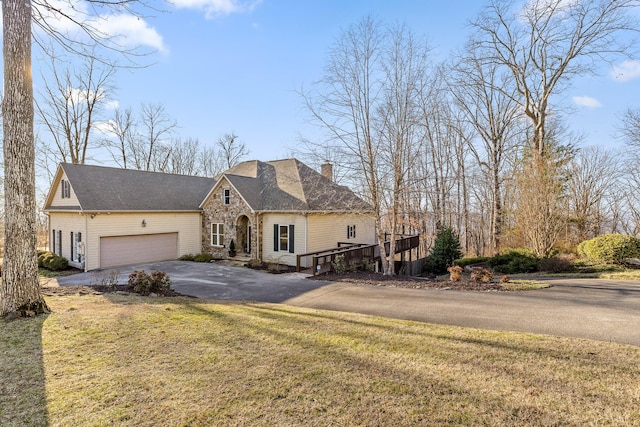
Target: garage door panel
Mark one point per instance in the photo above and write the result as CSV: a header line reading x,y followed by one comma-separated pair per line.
x,y
124,250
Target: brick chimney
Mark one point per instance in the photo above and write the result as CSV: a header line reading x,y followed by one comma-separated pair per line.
x,y
326,169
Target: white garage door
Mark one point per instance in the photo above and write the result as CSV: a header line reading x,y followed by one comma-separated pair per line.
x,y
124,250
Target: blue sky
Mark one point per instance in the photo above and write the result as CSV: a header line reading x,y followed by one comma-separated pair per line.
x,y
231,66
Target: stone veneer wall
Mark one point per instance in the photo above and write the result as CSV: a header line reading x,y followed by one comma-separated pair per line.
x,y
215,211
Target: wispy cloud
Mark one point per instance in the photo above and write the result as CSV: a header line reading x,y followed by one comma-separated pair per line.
x,y
125,30
130,30
586,101
217,8
626,71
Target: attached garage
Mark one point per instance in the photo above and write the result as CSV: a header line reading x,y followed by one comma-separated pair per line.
x,y
136,249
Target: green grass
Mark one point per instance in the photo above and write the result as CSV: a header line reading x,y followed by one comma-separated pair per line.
x,y
136,361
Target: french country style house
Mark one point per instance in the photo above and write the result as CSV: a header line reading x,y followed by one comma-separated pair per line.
x,y
102,217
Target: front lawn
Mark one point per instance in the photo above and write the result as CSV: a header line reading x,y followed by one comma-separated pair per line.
x,y
141,361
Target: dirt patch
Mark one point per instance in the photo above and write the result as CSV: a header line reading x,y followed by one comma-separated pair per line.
x,y
376,279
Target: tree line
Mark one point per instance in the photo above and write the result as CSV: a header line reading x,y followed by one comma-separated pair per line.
x,y
479,141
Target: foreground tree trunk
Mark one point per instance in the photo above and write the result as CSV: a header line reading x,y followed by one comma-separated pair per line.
x,y
20,290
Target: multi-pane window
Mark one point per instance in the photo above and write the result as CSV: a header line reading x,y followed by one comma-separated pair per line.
x,y
217,234
227,196
351,231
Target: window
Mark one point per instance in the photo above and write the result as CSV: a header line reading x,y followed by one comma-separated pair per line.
x,y
283,238
59,249
76,247
351,231
217,234
66,189
227,196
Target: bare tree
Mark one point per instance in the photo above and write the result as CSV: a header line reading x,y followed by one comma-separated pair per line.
x,y
231,149
404,62
72,103
345,104
20,289
630,129
593,174
367,104
184,157
486,96
149,148
122,127
545,43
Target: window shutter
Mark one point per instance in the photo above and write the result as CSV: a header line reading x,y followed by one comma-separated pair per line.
x,y
73,258
291,238
60,242
354,231
276,237
348,231
62,188
53,242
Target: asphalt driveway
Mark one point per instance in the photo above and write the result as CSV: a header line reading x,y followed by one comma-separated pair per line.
x,y
606,310
216,280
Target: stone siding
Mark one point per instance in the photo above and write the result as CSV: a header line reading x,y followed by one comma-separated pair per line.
x,y
216,211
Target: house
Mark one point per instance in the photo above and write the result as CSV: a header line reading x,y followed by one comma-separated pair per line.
x,y
101,217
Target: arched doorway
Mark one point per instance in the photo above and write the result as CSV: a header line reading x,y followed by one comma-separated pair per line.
x,y
243,234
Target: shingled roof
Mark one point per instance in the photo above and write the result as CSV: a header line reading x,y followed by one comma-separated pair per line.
x,y
290,185
106,189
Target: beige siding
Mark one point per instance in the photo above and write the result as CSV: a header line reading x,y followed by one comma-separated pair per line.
x,y
57,195
66,222
268,254
187,225
326,230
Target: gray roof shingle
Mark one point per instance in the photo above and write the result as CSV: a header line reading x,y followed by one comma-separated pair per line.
x,y
105,189
290,185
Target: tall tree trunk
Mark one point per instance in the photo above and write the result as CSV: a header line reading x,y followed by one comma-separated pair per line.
x,y
20,290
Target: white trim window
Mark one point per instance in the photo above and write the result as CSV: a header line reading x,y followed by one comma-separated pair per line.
x,y
283,238
351,231
66,189
227,196
217,234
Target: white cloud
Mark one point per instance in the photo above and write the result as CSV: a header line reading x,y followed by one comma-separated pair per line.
x,y
586,101
125,30
626,71
131,31
216,8
111,105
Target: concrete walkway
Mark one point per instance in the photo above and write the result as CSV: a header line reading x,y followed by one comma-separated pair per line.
x,y
603,310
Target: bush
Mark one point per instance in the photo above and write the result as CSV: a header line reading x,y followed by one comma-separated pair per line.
x,y
187,257
143,283
556,264
463,262
446,248
480,274
54,262
338,264
515,261
203,257
610,248
41,257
